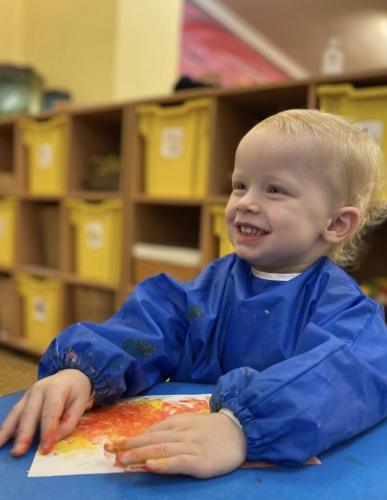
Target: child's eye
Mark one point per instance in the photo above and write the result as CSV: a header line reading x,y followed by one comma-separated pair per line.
x,y
274,189
238,186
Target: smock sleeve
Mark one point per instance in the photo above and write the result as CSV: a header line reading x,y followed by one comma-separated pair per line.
x,y
135,349
334,387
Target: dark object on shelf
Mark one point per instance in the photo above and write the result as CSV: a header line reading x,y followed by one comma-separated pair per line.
x,y
21,90
186,82
53,96
103,173
91,304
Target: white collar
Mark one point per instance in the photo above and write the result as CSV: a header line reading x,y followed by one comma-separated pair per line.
x,y
273,276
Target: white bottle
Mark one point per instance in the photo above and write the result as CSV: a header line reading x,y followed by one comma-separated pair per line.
x,y
333,57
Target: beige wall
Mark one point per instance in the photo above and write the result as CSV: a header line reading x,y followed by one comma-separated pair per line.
x,y
101,50
71,43
147,47
11,15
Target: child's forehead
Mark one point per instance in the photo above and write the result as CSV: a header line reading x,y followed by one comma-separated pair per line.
x,y
261,145
272,136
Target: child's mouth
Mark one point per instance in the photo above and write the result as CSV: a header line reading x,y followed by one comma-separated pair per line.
x,y
248,235
247,230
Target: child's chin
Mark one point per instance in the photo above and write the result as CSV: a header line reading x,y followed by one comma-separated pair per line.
x,y
245,254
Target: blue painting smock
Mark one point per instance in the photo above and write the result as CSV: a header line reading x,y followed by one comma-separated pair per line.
x,y
301,363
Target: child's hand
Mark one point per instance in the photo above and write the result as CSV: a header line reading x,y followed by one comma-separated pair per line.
x,y
198,445
57,402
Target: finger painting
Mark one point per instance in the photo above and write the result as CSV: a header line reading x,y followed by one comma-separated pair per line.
x,y
82,452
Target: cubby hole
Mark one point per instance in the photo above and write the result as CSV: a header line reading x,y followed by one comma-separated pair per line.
x,y
166,239
7,160
175,225
9,308
38,234
95,151
86,303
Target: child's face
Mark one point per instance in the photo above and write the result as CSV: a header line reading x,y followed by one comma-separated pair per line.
x,y
281,202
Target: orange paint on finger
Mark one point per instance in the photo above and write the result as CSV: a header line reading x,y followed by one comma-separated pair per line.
x,y
21,446
156,465
49,442
65,417
121,457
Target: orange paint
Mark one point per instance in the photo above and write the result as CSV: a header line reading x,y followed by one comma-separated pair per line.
x,y
126,419
23,443
65,417
155,465
50,439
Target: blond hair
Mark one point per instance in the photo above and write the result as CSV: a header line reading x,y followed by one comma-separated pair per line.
x,y
357,157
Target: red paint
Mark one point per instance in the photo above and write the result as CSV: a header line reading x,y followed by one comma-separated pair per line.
x,y
127,419
50,440
23,443
65,417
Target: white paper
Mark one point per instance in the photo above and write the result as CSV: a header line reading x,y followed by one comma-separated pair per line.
x,y
78,454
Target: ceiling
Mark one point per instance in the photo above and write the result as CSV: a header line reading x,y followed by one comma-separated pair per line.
x,y
300,29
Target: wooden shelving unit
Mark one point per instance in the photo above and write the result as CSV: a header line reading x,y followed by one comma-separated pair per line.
x,y
44,239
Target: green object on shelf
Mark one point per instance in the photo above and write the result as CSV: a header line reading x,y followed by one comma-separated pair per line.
x,y
21,90
103,173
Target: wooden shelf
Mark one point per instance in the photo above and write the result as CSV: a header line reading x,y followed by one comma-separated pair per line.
x,y
76,280
22,345
24,195
94,195
143,199
39,271
45,236
7,269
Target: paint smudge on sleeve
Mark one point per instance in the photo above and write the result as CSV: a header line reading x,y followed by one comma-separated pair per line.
x,y
194,312
138,348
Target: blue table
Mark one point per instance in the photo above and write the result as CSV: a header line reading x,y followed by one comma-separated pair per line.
x,y
356,470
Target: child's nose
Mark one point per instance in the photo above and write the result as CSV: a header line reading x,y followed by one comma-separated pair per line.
x,y
249,203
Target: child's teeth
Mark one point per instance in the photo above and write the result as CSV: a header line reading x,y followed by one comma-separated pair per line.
x,y
250,230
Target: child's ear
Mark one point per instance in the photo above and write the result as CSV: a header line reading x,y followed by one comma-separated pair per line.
x,y
344,223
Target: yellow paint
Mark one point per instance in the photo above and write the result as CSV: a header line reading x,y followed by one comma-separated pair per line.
x,y
155,403
100,50
77,443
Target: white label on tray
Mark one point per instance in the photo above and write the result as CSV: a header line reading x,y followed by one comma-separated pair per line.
x,y
172,142
2,228
39,309
373,127
94,235
45,155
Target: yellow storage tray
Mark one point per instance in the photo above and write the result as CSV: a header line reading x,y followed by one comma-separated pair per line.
x,y
177,148
47,152
366,106
42,308
220,230
7,230
98,239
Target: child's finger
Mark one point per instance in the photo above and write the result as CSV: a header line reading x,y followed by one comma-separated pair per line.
x,y
70,418
11,421
169,423
179,464
51,413
156,451
28,422
145,439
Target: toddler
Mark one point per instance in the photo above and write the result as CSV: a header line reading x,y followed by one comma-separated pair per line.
x,y
297,352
